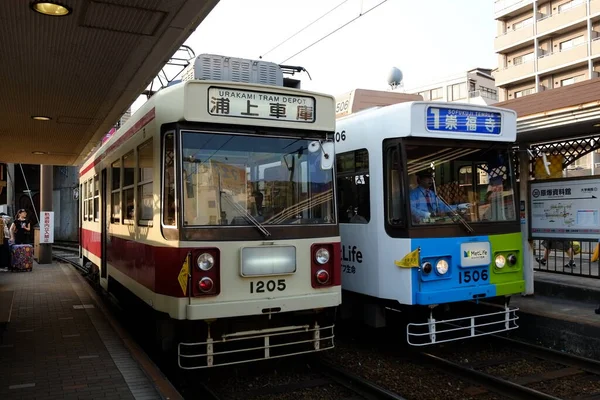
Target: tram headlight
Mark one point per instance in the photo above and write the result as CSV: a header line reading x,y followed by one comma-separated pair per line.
x,y
322,256
205,261
500,261
441,267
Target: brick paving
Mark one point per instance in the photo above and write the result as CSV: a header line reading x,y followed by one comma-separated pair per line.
x,y
59,345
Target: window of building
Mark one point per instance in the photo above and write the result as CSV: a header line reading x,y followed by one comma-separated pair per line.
x,y
353,195
457,91
567,6
145,179
568,44
424,94
523,23
488,93
524,92
437,94
523,58
568,81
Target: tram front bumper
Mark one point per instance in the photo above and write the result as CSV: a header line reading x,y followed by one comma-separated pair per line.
x,y
210,310
470,293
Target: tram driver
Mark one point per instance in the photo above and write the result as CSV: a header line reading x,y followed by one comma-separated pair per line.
x,y
424,202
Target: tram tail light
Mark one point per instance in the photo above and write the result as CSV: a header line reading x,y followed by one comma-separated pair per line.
x,y
205,265
325,262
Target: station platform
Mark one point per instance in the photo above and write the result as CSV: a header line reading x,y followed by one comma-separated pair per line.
x,y
58,341
561,313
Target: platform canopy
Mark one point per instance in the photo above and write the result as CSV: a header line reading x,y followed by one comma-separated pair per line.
x,y
82,70
564,113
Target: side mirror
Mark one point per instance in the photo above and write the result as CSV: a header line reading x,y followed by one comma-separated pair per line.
x,y
327,155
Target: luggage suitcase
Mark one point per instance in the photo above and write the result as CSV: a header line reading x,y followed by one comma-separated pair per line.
x,y
22,257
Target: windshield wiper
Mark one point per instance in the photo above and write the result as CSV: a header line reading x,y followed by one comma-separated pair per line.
x,y
245,213
456,214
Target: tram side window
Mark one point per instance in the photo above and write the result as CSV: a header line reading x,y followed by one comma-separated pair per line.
x,y
145,178
128,187
90,197
353,187
168,180
115,172
96,198
84,196
394,195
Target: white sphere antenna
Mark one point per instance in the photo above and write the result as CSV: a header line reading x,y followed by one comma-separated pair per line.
x,y
395,78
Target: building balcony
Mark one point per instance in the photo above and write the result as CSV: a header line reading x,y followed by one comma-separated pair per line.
x,y
558,58
555,21
511,38
594,7
504,7
506,75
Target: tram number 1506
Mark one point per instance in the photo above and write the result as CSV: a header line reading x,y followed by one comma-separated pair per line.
x,y
472,276
269,286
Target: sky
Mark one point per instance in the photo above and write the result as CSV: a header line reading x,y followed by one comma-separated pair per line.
x,y
427,39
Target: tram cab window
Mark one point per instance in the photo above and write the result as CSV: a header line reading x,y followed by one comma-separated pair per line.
x,y
236,180
449,183
394,201
353,187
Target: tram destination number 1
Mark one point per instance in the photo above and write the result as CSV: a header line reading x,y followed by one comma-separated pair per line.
x,y
472,276
269,286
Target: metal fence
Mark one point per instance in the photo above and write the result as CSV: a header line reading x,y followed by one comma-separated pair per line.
x,y
571,257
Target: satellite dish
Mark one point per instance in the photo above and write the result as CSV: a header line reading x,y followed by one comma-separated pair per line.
x,y
394,78
314,146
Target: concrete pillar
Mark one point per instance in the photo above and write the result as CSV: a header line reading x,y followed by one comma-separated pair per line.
x,y
528,254
46,186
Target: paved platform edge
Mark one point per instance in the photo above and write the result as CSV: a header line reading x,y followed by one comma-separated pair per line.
x,y
551,285
563,334
152,372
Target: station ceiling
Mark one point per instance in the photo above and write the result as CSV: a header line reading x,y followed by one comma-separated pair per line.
x,y
82,70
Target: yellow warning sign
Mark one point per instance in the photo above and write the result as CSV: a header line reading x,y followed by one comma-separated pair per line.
x,y
554,165
183,275
411,260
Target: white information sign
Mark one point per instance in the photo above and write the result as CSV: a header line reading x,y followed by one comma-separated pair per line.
x,y
47,227
260,105
565,209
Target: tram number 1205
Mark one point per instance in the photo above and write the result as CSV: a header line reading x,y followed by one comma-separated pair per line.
x,y
269,286
472,276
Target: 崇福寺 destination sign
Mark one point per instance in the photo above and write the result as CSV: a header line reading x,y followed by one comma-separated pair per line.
x,y
443,119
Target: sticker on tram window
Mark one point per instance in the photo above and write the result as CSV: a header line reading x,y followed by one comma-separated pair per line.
x,y
472,276
267,286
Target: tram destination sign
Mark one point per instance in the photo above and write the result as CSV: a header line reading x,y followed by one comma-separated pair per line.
x,y
260,105
442,119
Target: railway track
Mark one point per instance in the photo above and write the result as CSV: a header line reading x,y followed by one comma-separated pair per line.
x,y
319,375
559,366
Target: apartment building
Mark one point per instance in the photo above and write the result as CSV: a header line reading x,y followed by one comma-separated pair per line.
x,y
475,86
544,44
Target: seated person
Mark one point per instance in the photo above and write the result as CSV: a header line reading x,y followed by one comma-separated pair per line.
x,y
424,202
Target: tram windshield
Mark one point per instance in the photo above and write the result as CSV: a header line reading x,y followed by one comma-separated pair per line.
x,y
240,180
457,185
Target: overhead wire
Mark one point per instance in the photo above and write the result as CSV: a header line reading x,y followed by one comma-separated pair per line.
x,y
303,29
334,31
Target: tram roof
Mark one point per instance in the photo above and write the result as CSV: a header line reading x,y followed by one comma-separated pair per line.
x,y
82,70
563,113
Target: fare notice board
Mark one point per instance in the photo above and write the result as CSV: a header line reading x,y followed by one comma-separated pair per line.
x,y
566,208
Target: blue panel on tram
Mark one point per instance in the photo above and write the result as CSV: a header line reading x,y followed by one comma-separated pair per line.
x,y
443,119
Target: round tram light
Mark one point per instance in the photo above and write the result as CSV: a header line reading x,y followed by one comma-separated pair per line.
x,y
426,267
512,259
205,284
441,267
322,276
500,261
322,256
205,261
